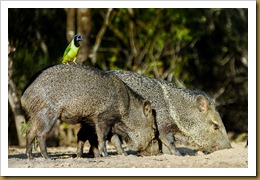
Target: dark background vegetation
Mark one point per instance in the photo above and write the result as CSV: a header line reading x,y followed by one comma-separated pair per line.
x,y
202,49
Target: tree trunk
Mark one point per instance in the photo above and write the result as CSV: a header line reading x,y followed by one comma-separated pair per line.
x,y
14,100
70,23
84,28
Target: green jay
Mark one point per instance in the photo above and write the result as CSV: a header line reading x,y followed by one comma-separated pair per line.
x,y
72,50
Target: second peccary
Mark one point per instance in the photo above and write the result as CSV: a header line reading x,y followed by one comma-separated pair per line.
x,y
180,113
87,132
75,93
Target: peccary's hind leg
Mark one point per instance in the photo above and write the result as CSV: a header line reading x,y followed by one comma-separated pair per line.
x,y
45,124
42,144
29,145
30,136
168,140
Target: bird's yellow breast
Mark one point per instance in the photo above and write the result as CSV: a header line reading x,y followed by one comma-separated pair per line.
x,y
70,53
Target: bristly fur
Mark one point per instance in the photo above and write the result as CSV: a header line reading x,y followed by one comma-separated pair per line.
x,y
179,111
76,93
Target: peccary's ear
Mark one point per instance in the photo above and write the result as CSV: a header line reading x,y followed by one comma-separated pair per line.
x,y
202,103
147,108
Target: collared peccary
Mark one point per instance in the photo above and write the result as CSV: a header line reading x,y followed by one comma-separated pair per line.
x,y
180,113
74,93
88,132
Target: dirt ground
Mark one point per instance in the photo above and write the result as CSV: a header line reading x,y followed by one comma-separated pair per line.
x,y
65,157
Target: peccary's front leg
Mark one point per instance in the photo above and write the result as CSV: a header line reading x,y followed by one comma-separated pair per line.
x,y
93,141
93,150
115,140
102,131
168,140
103,147
87,132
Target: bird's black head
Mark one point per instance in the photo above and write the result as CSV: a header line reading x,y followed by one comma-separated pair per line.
x,y
77,38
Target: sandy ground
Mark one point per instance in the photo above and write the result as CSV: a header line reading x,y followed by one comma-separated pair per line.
x,y
65,157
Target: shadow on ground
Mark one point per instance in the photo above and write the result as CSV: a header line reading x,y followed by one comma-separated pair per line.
x,y
183,151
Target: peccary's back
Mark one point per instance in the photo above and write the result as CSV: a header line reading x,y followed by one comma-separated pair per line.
x,y
76,89
149,89
146,87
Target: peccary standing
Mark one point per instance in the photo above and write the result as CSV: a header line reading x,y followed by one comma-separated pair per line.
x,y
180,113
88,132
75,93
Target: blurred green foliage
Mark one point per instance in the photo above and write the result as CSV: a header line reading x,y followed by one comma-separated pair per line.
x,y
28,29
195,48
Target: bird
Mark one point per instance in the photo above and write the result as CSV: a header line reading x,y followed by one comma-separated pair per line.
x,y
71,52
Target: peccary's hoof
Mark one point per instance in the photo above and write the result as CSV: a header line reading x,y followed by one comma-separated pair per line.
x,y
246,144
177,153
206,152
47,157
104,154
79,155
124,153
29,156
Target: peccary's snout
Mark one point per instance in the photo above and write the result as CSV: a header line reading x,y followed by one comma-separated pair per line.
x,y
224,145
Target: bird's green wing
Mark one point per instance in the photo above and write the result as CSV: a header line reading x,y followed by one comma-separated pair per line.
x,y
67,50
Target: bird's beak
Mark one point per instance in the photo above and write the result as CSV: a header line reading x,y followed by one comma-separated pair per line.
x,y
83,41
